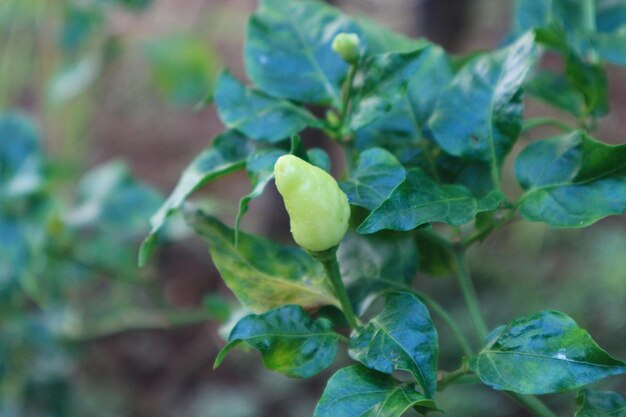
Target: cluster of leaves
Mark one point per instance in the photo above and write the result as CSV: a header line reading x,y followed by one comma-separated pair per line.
x,y
425,137
56,253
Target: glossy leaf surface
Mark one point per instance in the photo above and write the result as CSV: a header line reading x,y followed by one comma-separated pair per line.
x,y
289,340
419,200
600,404
288,50
386,78
376,175
227,154
373,264
572,180
360,392
401,337
479,116
256,114
262,274
541,354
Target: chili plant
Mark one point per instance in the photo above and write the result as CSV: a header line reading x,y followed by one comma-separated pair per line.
x,y
425,137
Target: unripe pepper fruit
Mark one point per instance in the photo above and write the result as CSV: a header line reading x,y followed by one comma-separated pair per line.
x,y
347,46
318,210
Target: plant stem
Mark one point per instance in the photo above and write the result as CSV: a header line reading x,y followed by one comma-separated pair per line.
x,y
441,312
532,404
346,92
469,293
328,258
449,377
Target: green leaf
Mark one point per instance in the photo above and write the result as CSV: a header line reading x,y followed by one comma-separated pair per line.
x,y
479,115
386,78
111,201
373,264
435,258
21,159
256,114
227,154
429,81
591,80
183,68
376,175
572,180
289,340
360,392
14,256
262,274
600,404
288,50
419,200
379,39
556,90
610,46
401,337
260,167
541,354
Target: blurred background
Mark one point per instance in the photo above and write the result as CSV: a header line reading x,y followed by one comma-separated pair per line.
x,y
107,96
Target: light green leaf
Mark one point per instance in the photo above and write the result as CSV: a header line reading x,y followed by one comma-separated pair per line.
x,y
288,50
419,200
600,404
373,264
541,354
401,337
227,154
380,39
360,392
289,340
256,114
479,115
262,274
572,180
376,175
386,78
555,89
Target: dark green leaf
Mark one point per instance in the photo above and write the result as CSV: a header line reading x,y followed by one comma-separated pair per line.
x,y
262,274
479,116
373,264
319,158
14,256
555,89
401,337
419,200
435,258
610,15
79,24
572,180
289,340
360,392
600,404
376,175
256,114
288,50
260,166
431,78
386,78
227,154
591,80
541,354
20,156
397,133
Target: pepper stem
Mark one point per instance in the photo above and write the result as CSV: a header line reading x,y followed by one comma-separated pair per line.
x,y
328,258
